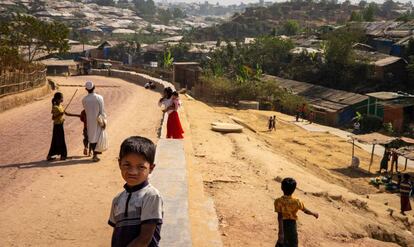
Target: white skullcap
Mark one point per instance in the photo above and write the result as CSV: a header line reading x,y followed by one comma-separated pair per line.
x,y
89,85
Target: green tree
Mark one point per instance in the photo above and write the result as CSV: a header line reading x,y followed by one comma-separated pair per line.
x,y
105,2
168,59
362,3
35,35
338,49
291,27
164,15
145,7
356,16
370,12
178,13
387,7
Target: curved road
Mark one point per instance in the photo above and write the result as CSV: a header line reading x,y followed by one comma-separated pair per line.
x,y
66,203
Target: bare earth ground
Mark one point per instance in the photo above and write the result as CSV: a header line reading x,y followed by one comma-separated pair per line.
x,y
242,173
66,202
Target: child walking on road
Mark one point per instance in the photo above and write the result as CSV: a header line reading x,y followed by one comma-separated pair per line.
x,y
137,212
82,116
287,208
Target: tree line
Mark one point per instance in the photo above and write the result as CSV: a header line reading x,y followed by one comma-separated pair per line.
x,y
23,37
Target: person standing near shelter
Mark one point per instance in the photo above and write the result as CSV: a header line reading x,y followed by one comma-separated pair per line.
x,y
297,113
405,188
385,160
302,111
93,104
394,160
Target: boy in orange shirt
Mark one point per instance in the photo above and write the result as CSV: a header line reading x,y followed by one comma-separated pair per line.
x,y
287,208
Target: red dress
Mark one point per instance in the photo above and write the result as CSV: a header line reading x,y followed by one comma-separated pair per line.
x,y
174,128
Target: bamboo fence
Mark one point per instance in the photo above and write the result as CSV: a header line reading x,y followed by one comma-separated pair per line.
x,y
19,81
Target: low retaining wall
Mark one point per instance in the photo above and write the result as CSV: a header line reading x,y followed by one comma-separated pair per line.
x,y
23,97
134,77
170,174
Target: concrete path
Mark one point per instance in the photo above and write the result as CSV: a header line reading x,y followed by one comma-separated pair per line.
x,y
170,178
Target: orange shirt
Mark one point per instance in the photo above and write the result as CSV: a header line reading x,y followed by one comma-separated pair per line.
x,y
288,207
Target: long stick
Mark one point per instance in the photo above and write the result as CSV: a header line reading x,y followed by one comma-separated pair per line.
x,y
71,99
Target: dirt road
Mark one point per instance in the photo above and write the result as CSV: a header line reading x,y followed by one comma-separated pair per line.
x,y
66,203
242,174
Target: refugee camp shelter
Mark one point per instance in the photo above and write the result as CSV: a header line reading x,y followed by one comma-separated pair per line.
x,y
186,74
150,53
98,63
385,68
396,108
371,139
332,107
61,67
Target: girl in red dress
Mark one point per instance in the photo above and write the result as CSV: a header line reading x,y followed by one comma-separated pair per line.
x,y
174,128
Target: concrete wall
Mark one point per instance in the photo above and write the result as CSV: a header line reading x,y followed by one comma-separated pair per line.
x,y
134,77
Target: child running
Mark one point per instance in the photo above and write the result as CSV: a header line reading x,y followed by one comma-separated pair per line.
x,y
137,212
287,208
82,116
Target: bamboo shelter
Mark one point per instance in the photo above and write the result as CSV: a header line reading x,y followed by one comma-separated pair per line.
x,y
371,139
407,153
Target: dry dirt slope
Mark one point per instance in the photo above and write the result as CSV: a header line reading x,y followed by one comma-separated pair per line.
x,y
242,174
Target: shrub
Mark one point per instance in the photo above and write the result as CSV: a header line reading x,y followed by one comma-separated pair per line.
x,y
224,90
371,123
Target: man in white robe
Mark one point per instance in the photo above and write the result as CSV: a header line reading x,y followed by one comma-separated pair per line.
x,y
93,104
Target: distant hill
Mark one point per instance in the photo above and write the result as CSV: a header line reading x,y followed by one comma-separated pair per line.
x,y
266,20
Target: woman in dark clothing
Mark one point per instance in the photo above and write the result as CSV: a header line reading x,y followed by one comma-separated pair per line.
x,y
385,160
58,146
405,188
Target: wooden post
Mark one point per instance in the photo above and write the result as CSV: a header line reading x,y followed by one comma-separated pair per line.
x,y
353,147
406,162
372,158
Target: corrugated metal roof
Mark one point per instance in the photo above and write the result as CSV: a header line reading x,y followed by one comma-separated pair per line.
x,y
319,96
387,61
52,62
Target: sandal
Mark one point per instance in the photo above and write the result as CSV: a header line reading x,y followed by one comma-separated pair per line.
x,y
50,158
96,159
85,151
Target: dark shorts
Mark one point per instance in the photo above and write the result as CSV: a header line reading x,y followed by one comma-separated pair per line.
x,y
85,138
290,233
92,147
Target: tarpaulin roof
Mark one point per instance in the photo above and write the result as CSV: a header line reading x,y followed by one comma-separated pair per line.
x,y
374,138
407,140
406,152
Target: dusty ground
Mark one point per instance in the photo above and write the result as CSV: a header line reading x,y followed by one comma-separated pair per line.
x,y
242,173
68,202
